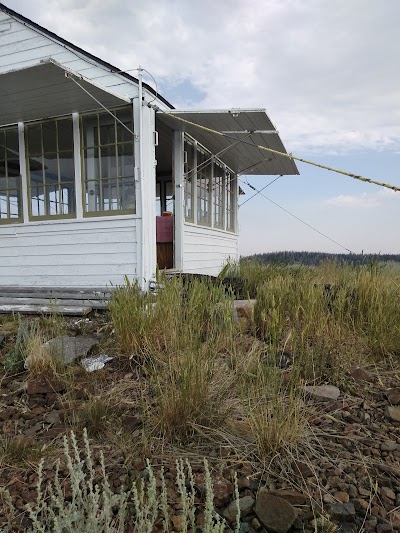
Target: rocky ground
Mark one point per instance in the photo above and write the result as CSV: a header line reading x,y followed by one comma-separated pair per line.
x,y
348,470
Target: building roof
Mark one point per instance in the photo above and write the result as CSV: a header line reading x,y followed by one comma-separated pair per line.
x,y
80,51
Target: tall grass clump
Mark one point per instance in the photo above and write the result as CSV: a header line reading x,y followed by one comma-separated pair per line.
x,y
294,313
95,508
175,335
276,411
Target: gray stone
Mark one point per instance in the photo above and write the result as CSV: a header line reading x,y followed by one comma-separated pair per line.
x,y
323,392
69,349
245,505
360,374
275,513
343,512
52,418
393,395
389,446
392,413
2,337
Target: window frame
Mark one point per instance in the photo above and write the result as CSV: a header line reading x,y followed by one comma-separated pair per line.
x,y
20,218
61,216
83,146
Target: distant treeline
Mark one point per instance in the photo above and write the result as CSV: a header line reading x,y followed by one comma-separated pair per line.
x,y
315,258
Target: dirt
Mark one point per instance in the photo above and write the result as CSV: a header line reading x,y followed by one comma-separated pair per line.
x,y
350,470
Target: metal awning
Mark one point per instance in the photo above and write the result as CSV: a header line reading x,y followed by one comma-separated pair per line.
x,y
44,91
252,126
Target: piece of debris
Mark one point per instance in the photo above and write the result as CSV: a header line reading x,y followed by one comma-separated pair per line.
x,y
97,362
68,349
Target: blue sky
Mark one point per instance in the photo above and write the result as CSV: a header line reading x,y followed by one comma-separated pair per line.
x,y
325,70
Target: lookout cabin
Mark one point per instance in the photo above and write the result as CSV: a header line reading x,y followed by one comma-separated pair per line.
x,y
101,178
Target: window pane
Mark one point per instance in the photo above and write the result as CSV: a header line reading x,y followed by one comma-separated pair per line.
x,y
125,159
108,162
12,144
50,162
34,139
67,170
123,134
65,134
107,131
49,130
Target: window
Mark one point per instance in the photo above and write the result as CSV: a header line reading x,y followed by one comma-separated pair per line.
x,y
10,179
108,162
218,195
204,166
230,201
189,181
50,167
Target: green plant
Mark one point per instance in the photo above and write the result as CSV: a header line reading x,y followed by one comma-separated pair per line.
x,y
95,508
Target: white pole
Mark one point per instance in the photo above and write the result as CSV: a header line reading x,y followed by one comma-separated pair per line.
x,y
142,281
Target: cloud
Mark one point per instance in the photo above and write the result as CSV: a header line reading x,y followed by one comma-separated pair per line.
x,y
363,200
323,69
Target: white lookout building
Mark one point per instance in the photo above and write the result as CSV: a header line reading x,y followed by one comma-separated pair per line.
x,y
100,180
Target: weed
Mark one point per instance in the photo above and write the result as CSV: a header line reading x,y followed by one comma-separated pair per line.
x,y
95,508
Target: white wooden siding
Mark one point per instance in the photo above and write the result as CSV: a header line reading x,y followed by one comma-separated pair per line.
x,y
22,47
206,250
95,252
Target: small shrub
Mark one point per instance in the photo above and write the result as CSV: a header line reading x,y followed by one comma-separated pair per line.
x,y
95,508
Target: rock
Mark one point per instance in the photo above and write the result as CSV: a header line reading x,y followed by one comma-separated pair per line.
x,y
387,491
244,308
343,512
2,337
52,418
393,395
245,506
360,374
275,513
294,497
302,470
33,430
389,446
342,497
223,489
68,349
323,392
392,413
44,386
132,422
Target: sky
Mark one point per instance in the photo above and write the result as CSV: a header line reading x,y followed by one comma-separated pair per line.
x,y
326,71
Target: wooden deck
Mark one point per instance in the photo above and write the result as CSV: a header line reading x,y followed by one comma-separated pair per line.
x,y
55,300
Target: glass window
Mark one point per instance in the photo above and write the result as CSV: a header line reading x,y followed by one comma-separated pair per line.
x,y
218,195
50,166
204,165
10,179
189,181
108,162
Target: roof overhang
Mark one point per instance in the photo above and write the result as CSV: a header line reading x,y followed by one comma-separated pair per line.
x,y
47,90
243,130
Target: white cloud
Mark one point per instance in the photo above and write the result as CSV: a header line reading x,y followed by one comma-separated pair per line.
x,y
322,68
363,200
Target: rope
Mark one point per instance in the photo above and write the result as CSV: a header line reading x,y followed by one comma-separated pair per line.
x,y
296,217
289,156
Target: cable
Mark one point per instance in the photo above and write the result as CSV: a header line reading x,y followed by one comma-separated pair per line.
x,y
297,218
259,192
71,77
288,156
